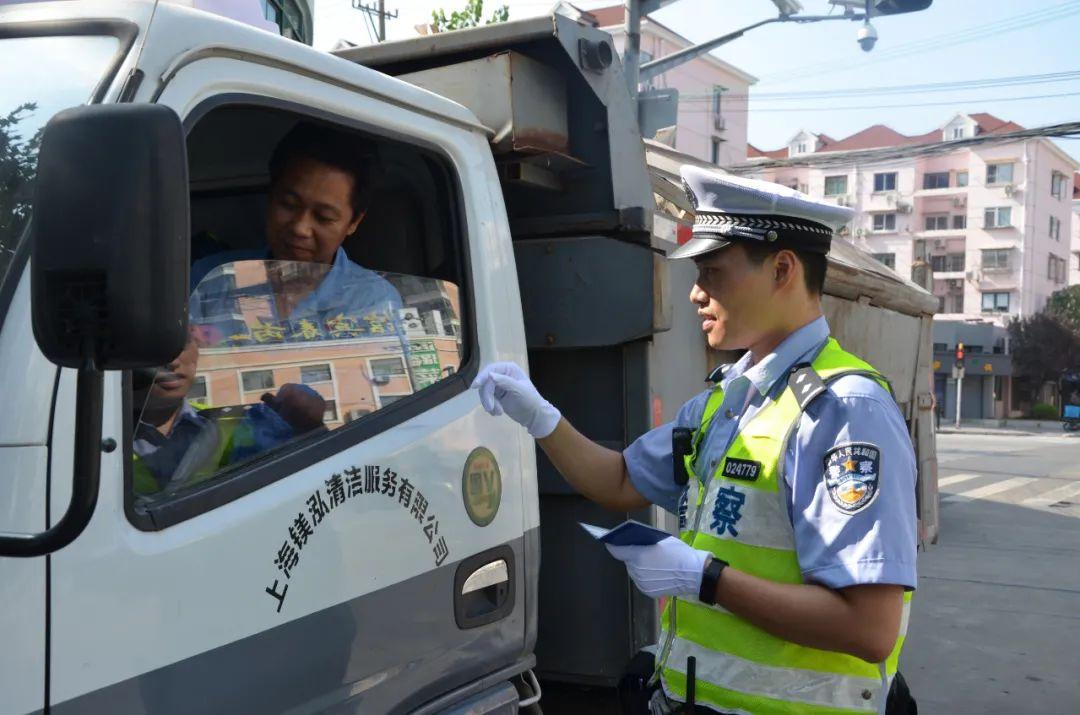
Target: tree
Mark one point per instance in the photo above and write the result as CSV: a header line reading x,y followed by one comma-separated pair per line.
x,y
1043,347
1065,305
471,16
17,168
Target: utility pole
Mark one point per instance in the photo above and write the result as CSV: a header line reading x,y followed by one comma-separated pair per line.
x,y
632,51
376,10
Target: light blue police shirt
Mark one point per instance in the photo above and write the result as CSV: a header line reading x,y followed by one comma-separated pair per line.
x,y
835,548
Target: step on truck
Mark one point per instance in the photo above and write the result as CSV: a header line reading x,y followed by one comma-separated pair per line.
x,y
345,530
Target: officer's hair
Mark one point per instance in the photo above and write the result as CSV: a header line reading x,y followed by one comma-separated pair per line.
x,y
342,150
813,263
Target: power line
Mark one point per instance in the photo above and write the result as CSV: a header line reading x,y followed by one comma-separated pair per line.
x,y
938,42
952,86
829,159
835,108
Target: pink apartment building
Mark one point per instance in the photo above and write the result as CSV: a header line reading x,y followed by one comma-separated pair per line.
x,y
994,222
712,115
1074,263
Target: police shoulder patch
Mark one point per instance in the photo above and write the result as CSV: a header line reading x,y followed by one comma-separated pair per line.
x,y
853,475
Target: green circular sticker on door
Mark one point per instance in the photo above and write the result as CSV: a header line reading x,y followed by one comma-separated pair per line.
x,y
481,486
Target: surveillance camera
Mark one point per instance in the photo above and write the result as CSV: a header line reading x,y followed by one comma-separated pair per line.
x,y
867,37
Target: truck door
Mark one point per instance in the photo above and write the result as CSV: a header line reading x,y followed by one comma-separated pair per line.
x,y
373,560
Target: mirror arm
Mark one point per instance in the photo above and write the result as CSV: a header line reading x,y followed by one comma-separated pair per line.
x,y
86,472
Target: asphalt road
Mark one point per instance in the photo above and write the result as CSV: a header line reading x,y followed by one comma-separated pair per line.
x,y
995,625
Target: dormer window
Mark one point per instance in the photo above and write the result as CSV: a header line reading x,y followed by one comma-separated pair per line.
x,y
801,148
958,133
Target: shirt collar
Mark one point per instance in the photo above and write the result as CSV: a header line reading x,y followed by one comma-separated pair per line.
x,y
795,348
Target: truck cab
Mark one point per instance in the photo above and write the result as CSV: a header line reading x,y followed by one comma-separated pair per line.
x,y
385,561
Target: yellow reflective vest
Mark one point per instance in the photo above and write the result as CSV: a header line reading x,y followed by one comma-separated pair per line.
x,y
739,667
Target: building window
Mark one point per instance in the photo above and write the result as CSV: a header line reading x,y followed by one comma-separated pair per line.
x,y
947,263
995,302
959,221
1057,184
998,217
951,303
961,178
941,347
383,369
800,149
835,185
958,133
936,222
312,374
716,150
996,258
330,414
198,391
974,349
257,380
289,18
1055,228
885,182
717,92
999,174
884,222
888,259
936,180
1056,269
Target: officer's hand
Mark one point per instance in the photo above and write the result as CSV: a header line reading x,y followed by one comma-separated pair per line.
x,y
667,568
504,387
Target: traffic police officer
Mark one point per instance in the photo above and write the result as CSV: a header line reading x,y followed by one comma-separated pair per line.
x,y
790,584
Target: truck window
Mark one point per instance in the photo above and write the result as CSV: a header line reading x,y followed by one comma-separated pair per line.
x,y
300,326
38,79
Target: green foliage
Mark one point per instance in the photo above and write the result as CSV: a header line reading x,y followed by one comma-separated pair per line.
x,y
471,16
1044,411
1065,305
1043,346
18,164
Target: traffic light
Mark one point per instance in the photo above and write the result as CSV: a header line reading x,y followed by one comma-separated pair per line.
x,y
959,354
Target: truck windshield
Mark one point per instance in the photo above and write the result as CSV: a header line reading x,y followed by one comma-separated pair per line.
x,y
39,76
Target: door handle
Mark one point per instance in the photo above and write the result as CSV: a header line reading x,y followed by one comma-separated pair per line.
x,y
484,588
488,575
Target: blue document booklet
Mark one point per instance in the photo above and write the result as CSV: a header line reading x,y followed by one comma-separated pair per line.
x,y
628,533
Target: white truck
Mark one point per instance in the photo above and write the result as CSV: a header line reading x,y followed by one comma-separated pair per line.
x,y
390,560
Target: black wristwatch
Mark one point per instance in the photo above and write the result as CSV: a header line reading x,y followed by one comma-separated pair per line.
x,y
710,579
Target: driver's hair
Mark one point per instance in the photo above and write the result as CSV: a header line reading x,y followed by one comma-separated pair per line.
x,y
345,151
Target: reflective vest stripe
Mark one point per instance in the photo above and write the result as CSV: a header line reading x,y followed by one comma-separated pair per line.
x,y
720,630
844,692
739,703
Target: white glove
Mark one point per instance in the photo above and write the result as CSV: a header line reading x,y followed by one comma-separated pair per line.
x,y
504,387
667,568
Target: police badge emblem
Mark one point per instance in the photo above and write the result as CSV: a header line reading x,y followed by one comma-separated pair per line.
x,y
852,475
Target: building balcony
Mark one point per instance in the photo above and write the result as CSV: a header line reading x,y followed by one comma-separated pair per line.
x,y
942,233
946,191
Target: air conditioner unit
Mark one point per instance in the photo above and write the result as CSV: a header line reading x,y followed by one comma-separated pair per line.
x,y
1009,189
939,243
904,208
719,123
959,201
860,231
954,284
891,198
843,200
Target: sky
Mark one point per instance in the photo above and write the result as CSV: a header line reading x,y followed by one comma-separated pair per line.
x,y
955,41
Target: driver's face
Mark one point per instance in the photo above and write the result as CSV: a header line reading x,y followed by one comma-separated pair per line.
x,y
310,212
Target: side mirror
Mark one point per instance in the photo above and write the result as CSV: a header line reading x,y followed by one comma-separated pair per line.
x,y
109,269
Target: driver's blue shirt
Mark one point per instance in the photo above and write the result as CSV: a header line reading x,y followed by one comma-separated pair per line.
x,y
350,301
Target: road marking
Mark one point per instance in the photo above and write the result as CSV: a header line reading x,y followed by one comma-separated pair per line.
x,y
989,489
1062,493
955,479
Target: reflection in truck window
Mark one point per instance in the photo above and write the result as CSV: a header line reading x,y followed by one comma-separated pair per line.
x,y
38,78
295,361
